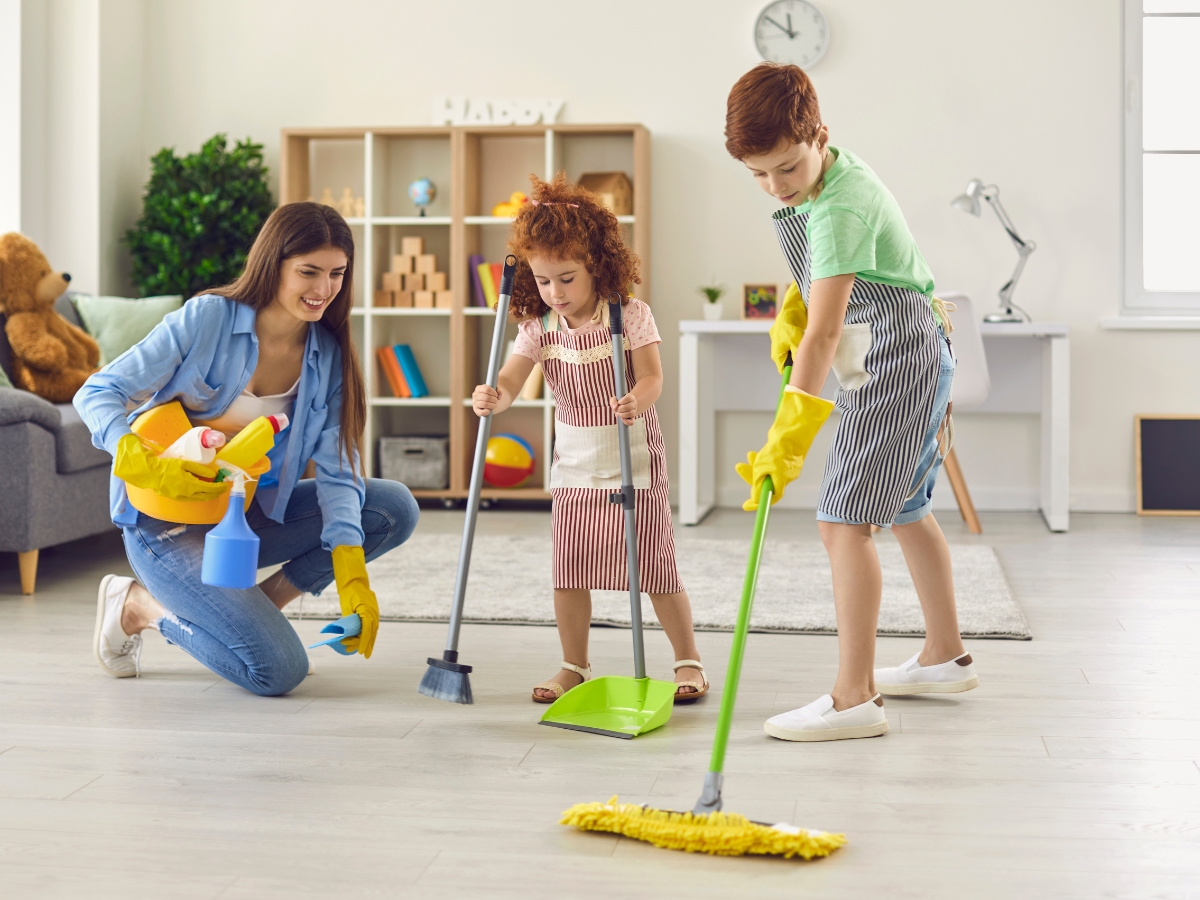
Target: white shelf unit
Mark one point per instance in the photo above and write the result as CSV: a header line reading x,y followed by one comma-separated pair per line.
x,y
473,169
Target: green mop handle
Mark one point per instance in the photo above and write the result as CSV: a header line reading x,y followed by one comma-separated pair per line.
x,y
734,672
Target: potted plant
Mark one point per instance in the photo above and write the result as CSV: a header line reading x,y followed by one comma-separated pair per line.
x,y
712,307
200,214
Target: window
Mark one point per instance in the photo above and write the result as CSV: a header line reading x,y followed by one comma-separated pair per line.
x,y
1162,157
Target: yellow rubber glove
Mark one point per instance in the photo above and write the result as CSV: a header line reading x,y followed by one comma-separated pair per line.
x,y
175,479
797,421
789,326
356,596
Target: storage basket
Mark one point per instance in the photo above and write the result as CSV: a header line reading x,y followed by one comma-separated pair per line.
x,y
418,462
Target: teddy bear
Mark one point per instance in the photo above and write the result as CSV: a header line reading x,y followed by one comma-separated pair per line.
x,y
50,356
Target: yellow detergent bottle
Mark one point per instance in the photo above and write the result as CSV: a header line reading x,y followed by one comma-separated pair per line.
x,y
253,442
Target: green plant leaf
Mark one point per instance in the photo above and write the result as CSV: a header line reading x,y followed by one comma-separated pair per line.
x,y
200,214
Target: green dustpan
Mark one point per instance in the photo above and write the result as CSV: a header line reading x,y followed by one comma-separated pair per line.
x,y
615,705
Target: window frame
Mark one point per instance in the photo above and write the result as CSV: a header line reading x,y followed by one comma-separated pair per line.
x,y
1135,299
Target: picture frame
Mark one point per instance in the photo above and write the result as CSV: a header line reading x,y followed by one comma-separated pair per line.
x,y
760,301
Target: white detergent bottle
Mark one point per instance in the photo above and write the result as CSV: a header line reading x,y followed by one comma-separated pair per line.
x,y
198,445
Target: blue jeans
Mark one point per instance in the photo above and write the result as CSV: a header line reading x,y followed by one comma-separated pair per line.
x,y
240,634
920,496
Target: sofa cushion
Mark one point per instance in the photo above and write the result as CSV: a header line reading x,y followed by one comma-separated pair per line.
x,y
21,406
117,323
74,443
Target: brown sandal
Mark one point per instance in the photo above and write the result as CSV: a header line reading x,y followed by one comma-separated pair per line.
x,y
701,689
557,689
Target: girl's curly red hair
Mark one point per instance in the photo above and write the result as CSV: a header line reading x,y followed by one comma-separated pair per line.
x,y
567,221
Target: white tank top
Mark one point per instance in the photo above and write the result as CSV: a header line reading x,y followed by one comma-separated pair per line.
x,y
247,407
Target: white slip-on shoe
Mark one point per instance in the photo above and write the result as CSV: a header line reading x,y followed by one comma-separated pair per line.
x,y
912,678
819,721
118,653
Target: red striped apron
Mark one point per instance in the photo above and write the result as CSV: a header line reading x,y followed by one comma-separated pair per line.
x,y
589,531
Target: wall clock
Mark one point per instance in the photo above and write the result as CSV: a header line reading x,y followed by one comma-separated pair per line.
x,y
791,31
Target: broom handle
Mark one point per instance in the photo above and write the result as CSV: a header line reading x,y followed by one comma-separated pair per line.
x,y
481,442
626,497
749,585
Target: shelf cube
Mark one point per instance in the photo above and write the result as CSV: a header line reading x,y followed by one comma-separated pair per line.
x,y
426,263
443,299
414,282
435,282
402,264
391,281
404,299
423,299
412,246
384,298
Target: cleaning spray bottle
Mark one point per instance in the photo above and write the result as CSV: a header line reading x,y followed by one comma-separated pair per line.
x,y
231,548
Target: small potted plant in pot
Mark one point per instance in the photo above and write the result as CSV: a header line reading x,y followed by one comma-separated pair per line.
x,y
712,306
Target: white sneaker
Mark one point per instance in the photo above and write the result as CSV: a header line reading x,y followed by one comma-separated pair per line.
x,y
819,721
118,653
912,678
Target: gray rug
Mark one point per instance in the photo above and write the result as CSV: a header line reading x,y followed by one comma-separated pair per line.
x,y
510,583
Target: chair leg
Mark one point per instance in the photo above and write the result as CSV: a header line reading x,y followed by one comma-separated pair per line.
x,y
961,494
27,563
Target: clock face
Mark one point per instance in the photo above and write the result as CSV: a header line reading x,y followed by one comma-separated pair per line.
x,y
791,31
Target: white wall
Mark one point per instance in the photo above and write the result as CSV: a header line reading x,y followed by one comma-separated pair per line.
x,y
10,115
929,92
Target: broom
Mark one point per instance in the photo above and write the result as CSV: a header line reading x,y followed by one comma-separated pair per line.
x,y
706,829
446,678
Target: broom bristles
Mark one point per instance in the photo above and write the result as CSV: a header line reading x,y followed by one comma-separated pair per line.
x,y
718,833
446,684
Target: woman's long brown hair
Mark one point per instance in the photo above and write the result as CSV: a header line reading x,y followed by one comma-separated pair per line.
x,y
294,230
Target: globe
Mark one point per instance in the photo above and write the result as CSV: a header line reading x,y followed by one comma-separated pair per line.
x,y
421,192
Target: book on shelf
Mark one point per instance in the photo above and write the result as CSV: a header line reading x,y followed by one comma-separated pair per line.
x,y
484,271
473,264
497,277
412,372
391,371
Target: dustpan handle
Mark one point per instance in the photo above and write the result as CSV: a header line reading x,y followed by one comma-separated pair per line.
x,y
481,442
626,497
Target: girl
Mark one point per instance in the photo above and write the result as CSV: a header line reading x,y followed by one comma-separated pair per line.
x,y
570,259
872,316
277,340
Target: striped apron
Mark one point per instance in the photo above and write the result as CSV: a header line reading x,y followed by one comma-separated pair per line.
x,y
887,364
589,531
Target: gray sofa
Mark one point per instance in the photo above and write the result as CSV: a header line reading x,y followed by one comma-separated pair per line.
x,y
53,482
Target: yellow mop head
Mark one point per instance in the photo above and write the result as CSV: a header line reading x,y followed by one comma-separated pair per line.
x,y
718,833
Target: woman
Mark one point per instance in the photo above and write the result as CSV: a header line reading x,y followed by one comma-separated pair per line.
x,y
277,340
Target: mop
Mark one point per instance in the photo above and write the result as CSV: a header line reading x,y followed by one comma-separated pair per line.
x,y
446,678
706,829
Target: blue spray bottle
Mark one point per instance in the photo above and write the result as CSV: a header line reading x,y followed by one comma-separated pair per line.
x,y
231,549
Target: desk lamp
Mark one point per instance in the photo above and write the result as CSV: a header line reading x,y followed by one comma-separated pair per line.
x,y
969,202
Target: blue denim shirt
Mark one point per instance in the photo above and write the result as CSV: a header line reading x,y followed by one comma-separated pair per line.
x,y
203,356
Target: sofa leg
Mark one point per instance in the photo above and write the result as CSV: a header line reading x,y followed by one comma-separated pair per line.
x,y
27,563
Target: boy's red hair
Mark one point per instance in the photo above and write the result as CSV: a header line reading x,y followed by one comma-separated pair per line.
x,y
768,104
568,222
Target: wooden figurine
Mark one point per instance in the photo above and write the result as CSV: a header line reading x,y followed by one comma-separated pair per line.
x,y
346,205
327,198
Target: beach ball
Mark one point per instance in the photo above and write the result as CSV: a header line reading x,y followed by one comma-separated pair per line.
x,y
509,461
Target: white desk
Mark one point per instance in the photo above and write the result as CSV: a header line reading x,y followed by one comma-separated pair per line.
x,y
726,365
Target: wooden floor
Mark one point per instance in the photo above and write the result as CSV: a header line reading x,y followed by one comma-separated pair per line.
x,y
1071,772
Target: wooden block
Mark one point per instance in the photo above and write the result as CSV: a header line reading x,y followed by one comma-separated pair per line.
x,y
414,282
412,246
384,298
404,298
426,263
391,281
423,299
403,264
443,299
435,282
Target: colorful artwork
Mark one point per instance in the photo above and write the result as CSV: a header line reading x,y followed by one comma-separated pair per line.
x,y
760,301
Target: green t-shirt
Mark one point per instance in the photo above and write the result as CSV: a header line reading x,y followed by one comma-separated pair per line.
x,y
855,226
